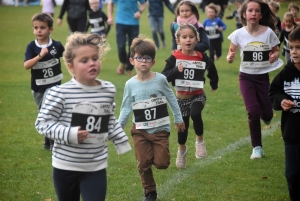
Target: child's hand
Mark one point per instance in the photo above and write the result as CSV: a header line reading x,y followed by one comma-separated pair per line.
x,y
273,57
287,104
180,68
44,51
212,90
220,29
230,56
180,127
82,135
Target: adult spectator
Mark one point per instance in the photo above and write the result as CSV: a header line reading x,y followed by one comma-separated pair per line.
x,y
127,28
77,14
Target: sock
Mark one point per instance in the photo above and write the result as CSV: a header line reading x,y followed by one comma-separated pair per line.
x,y
199,141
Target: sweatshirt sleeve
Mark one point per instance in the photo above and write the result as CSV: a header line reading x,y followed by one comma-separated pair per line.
x,y
126,107
212,72
47,122
172,101
276,93
118,136
170,70
203,44
63,9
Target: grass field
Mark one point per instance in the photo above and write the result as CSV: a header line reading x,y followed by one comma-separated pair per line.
x,y
226,173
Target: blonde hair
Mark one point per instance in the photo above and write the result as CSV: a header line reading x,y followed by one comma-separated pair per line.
x,y
77,40
291,16
186,26
275,5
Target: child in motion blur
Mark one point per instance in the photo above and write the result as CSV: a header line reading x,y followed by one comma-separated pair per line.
x,y
275,6
236,14
185,68
284,95
147,95
48,7
97,20
294,9
259,53
156,19
187,12
42,57
79,116
290,25
214,27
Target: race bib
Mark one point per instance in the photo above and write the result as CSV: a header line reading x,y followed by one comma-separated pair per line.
x,y
93,117
192,74
256,54
151,113
47,72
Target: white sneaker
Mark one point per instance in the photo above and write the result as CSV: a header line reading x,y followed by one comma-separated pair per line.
x,y
257,152
200,150
181,159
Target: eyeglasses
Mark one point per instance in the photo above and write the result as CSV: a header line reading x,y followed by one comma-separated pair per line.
x,y
140,59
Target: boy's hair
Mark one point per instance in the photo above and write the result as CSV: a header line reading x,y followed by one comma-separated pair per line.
x,y
186,26
291,16
43,17
295,35
293,5
275,5
143,46
214,7
193,8
268,17
77,40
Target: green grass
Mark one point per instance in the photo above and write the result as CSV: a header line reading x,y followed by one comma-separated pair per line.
x,y
227,173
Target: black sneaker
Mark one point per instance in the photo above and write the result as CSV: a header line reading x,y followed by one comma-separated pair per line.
x,y
151,196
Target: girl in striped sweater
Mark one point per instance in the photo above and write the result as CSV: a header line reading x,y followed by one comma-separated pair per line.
x,y
79,117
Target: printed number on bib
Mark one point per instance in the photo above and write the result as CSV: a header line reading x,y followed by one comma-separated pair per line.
x,y
93,123
151,113
48,72
189,74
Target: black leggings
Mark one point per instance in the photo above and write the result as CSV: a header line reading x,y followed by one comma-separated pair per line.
x,y
77,24
196,110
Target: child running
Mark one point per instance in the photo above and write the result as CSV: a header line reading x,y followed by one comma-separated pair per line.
x,y
284,95
185,68
97,20
214,27
187,12
290,25
147,95
42,57
236,14
259,53
79,116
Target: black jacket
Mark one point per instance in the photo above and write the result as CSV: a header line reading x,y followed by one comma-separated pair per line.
x,y
286,85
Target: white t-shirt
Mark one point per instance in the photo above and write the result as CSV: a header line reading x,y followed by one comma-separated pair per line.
x,y
254,51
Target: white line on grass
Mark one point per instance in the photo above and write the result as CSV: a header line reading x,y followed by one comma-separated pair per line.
x,y
165,189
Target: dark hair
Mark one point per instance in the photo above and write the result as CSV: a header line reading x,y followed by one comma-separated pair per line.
x,y
268,17
214,7
193,8
186,26
294,35
43,17
143,46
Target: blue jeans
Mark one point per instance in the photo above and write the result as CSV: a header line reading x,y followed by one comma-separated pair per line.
x,y
69,185
292,170
156,24
124,32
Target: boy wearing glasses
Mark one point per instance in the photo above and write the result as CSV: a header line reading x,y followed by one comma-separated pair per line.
x,y
147,95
